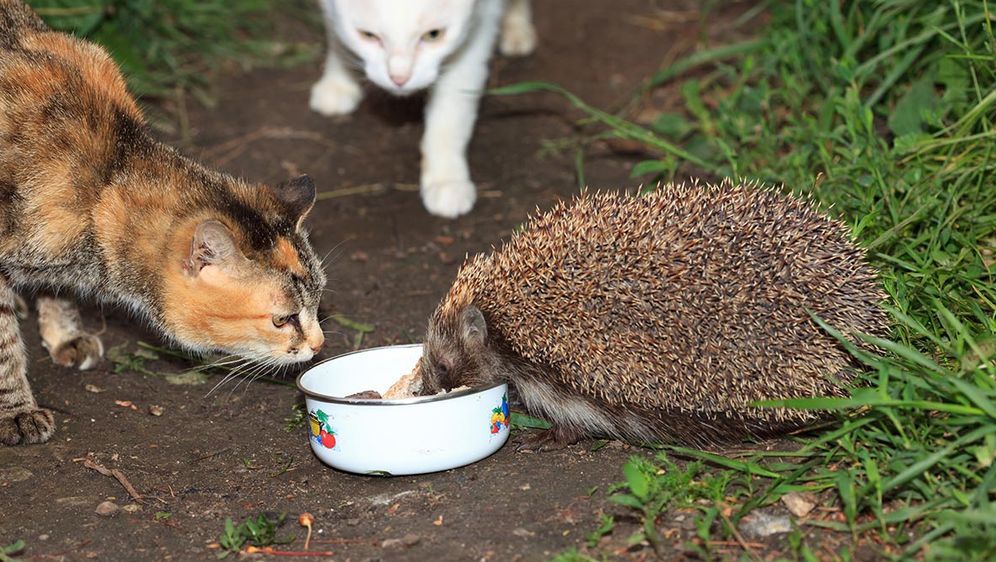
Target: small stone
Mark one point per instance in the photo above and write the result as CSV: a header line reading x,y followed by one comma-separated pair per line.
x,y
392,543
43,537
107,509
353,521
760,524
92,388
800,504
411,539
524,533
15,474
525,487
132,508
156,410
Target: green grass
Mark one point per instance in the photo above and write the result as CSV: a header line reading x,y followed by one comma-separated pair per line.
x,y
170,46
258,531
884,112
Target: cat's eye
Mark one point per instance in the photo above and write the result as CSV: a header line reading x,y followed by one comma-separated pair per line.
x,y
368,35
433,35
281,320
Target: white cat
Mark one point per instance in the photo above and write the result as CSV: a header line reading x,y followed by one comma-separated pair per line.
x,y
408,45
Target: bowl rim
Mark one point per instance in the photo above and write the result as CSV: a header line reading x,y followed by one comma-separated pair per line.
x,y
381,401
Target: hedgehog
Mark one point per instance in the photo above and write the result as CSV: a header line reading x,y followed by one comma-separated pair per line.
x,y
661,317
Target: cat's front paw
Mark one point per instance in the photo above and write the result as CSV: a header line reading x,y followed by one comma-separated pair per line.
x,y
335,95
25,427
83,352
518,38
449,199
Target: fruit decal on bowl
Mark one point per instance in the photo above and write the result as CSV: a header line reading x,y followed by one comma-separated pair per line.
x,y
500,416
321,428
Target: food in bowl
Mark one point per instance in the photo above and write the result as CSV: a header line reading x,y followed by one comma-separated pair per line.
x,y
366,435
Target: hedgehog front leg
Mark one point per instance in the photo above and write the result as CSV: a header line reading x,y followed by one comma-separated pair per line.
x,y
61,328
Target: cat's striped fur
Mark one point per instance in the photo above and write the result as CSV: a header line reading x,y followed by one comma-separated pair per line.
x,y
91,203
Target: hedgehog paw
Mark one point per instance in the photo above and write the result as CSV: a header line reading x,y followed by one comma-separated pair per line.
x,y
553,439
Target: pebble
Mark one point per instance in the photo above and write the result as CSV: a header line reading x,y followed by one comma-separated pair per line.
x,y
524,533
107,509
353,522
411,539
156,410
15,474
132,508
760,524
800,504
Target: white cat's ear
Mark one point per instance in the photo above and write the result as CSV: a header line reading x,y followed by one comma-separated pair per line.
x,y
212,244
297,195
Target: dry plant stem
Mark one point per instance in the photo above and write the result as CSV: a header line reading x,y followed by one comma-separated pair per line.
x,y
116,474
306,520
736,534
270,550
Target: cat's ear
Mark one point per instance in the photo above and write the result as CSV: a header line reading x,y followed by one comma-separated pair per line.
x,y
473,328
212,244
297,195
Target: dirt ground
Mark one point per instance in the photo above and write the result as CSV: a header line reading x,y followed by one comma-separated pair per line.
x,y
228,454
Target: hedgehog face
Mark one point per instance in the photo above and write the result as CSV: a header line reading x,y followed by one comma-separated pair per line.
x,y
456,353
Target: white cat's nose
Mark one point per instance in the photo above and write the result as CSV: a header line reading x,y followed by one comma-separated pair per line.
x,y
400,79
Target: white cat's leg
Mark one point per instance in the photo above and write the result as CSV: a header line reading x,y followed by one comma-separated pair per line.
x,y
518,35
337,92
449,123
62,333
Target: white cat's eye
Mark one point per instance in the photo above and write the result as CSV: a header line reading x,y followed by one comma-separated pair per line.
x,y
368,35
433,35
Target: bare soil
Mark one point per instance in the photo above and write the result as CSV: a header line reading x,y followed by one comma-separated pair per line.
x,y
229,454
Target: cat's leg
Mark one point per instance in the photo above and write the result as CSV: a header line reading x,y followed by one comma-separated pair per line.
x,y
449,123
518,35
21,420
61,328
337,92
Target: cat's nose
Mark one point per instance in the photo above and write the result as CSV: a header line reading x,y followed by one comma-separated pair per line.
x,y
317,344
400,79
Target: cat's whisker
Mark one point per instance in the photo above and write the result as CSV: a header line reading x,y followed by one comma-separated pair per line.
x,y
242,363
247,376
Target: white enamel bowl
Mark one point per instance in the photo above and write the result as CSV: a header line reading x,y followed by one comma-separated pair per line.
x,y
394,437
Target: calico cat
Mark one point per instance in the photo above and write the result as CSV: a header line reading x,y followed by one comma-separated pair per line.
x,y
91,203
409,45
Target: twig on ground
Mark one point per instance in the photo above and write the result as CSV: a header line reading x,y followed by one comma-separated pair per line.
x,y
116,474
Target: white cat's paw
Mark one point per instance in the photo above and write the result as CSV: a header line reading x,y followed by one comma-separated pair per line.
x,y
518,38
335,95
449,199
